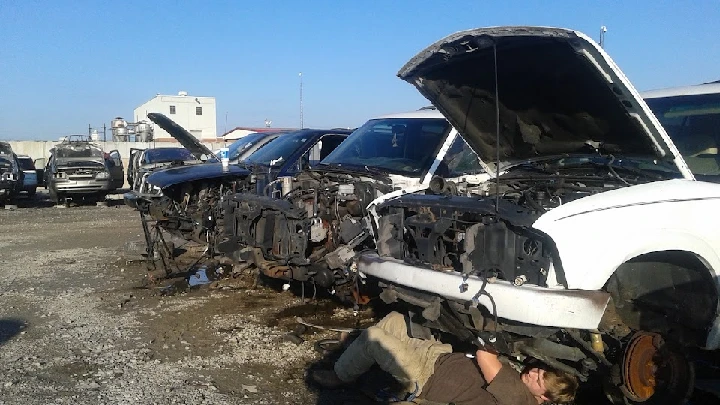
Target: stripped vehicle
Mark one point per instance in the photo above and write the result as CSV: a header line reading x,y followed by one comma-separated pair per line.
x,y
593,248
310,226
11,175
143,162
186,200
79,169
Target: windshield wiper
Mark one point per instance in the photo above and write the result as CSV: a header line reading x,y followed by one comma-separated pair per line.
x,y
352,167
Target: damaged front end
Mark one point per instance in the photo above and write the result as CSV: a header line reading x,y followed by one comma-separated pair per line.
x,y
186,200
311,233
475,268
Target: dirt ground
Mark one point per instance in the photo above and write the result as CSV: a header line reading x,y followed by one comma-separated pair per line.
x,y
81,323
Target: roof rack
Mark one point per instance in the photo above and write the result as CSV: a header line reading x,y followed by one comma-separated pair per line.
x,y
429,107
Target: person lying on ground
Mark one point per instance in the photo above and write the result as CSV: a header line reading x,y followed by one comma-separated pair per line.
x,y
429,370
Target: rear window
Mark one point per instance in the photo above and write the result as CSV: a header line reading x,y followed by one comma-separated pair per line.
x,y
77,151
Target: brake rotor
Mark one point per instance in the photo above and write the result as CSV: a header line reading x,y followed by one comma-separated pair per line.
x,y
640,367
649,365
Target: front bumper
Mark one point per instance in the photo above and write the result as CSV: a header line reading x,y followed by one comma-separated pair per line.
x,y
82,187
529,304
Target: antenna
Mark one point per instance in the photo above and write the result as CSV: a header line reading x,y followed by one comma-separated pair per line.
x,y
497,132
603,30
301,102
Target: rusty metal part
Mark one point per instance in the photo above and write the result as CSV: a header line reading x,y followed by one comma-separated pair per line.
x,y
268,268
359,297
651,367
639,367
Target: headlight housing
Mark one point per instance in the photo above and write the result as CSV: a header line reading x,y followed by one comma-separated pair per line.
x,y
8,176
102,176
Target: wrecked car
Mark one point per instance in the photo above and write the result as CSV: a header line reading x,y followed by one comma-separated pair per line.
x,y
186,201
143,162
691,116
310,225
80,169
11,175
593,248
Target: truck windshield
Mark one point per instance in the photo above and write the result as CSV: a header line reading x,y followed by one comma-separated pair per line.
x,y
693,123
398,145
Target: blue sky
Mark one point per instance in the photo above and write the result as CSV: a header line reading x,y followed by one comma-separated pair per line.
x,y
66,64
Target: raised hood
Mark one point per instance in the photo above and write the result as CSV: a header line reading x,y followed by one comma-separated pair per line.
x,y
558,92
186,139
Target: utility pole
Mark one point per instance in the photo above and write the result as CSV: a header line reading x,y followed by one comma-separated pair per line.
x,y
603,30
301,102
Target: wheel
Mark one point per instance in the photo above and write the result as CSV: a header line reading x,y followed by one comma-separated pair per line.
x,y
651,372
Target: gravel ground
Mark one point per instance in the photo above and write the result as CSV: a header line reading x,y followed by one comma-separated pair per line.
x,y
80,324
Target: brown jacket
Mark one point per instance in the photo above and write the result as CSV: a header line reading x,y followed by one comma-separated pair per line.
x,y
458,379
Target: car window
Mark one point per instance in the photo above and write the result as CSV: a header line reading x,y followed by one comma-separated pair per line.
x,y
26,164
77,151
161,155
460,160
241,145
400,145
277,151
693,123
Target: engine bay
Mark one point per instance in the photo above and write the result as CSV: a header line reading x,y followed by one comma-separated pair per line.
x,y
311,233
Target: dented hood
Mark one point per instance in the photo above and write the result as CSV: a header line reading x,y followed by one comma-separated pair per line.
x,y
186,139
558,92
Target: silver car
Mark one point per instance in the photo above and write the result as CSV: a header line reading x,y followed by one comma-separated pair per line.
x,y
79,169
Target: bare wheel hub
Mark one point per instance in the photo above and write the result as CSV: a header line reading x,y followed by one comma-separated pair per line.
x,y
649,365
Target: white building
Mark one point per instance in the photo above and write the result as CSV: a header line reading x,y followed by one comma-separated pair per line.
x,y
196,114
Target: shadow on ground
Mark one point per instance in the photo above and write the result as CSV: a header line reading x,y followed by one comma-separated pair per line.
x,y
9,328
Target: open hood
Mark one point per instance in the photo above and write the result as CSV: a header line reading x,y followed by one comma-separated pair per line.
x,y
186,139
558,92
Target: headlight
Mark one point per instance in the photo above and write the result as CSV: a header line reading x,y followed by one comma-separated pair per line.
x,y
102,176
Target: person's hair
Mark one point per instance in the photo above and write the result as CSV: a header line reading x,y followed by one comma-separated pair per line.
x,y
560,387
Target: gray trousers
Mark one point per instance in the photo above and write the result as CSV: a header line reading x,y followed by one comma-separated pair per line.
x,y
411,361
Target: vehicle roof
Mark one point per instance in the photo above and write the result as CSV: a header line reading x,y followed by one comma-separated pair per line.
x,y
422,113
165,147
314,131
23,157
705,88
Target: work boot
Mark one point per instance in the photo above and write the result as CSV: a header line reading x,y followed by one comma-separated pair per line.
x,y
327,379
